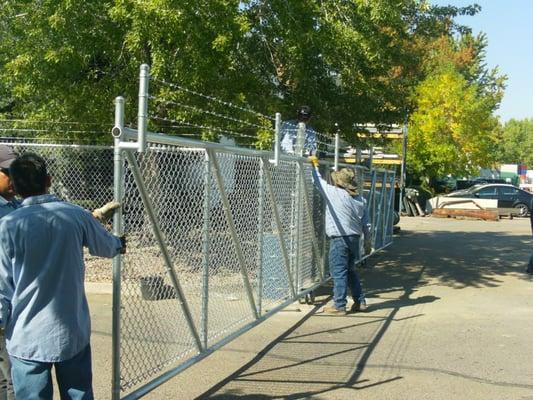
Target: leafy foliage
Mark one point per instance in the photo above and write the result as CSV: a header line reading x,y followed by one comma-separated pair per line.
x,y
516,145
352,61
451,132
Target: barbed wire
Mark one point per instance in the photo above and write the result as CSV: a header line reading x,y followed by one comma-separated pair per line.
x,y
205,127
53,122
223,116
211,98
47,130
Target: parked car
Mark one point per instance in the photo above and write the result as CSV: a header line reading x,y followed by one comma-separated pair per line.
x,y
465,184
508,196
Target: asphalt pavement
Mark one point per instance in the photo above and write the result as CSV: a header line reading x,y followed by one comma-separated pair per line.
x,y
450,317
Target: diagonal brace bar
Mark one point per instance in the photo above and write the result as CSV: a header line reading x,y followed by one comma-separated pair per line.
x,y
233,231
277,220
162,246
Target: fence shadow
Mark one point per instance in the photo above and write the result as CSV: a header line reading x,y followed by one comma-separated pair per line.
x,y
454,259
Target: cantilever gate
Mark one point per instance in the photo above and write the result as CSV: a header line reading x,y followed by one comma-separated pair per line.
x,y
219,238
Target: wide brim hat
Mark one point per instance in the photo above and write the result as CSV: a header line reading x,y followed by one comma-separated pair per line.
x,y
344,178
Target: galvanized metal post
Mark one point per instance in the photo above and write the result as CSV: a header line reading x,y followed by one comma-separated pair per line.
x,y
142,116
300,140
277,138
118,230
206,242
403,168
372,204
260,228
336,163
299,240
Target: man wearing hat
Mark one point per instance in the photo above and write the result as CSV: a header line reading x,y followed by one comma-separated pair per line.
x,y
8,203
346,220
289,131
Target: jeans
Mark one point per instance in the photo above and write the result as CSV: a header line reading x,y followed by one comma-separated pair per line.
x,y
530,264
32,380
343,252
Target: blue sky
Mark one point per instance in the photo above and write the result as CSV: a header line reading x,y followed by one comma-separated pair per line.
x,y
508,25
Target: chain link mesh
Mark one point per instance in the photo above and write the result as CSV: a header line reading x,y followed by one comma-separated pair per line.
x,y
217,213
196,207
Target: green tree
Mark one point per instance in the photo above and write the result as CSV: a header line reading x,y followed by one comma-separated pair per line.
x,y
452,129
353,61
516,143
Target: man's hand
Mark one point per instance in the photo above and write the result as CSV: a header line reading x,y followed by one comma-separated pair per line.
x,y
314,161
104,213
368,247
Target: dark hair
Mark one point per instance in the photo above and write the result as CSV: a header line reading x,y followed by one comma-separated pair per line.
x,y
304,112
28,174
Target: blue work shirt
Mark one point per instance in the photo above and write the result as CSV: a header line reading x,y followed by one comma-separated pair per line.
x,y
345,214
289,129
7,207
42,298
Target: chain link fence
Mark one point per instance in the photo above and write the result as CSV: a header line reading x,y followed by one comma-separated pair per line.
x,y
218,239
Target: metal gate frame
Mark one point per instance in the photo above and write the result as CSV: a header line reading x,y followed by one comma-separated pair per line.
x,y
128,142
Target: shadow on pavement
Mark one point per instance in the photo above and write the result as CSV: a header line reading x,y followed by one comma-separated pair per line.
x,y
454,259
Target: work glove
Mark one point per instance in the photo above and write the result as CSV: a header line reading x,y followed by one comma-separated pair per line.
x,y
105,212
314,161
368,247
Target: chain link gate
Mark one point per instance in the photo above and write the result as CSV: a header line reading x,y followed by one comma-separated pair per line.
x,y
219,238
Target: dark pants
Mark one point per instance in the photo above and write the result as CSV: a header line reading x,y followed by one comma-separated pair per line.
x,y
343,252
32,380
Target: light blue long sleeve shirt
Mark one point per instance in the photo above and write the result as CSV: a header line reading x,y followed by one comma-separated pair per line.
x,y
7,207
345,215
42,299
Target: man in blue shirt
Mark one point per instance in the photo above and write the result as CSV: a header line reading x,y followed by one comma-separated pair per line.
x,y
43,307
346,220
289,130
8,203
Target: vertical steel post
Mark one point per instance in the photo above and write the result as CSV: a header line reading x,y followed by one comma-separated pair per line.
x,y
277,138
206,242
336,164
118,230
260,229
402,170
300,140
142,116
372,204
299,213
